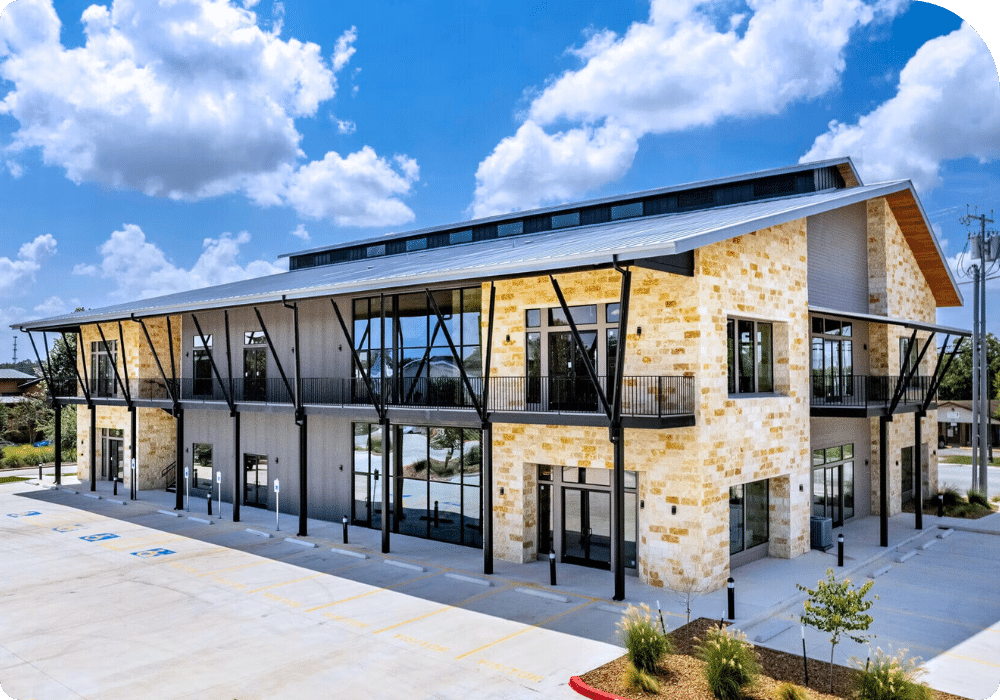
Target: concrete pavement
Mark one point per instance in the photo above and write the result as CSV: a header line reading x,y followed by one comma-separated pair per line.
x,y
315,616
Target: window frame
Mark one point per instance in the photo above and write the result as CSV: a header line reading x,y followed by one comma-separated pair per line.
x,y
734,349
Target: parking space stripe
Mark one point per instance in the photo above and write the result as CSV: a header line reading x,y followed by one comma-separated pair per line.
x,y
372,592
522,631
966,658
238,566
285,583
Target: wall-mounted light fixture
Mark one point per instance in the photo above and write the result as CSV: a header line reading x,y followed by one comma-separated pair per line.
x,y
275,460
642,504
801,487
508,338
340,348
638,330
501,490
341,467
673,510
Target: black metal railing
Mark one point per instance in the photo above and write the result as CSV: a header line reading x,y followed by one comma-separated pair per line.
x,y
859,391
641,396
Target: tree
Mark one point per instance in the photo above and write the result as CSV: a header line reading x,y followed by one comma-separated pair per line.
x,y
26,418
686,592
957,382
838,608
62,361
68,429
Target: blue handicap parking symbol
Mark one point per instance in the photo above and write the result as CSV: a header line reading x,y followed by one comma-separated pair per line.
x,y
68,528
98,538
155,552
23,515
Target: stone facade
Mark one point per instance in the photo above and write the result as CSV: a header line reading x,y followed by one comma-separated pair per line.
x,y
155,441
897,288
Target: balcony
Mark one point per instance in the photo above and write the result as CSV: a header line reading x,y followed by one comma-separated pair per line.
x,y
664,399
857,395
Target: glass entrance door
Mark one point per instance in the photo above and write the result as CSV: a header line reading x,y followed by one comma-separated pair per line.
x,y
112,451
586,527
255,480
255,374
570,386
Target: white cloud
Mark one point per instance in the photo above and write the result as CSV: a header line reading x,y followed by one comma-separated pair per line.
x,y
140,269
300,232
947,106
675,71
14,168
53,306
182,98
346,126
28,261
360,189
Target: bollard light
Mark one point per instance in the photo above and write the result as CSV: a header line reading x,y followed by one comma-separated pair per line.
x,y
805,662
840,549
345,529
552,567
731,585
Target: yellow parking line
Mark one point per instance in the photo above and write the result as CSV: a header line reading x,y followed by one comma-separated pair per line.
x,y
275,585
966,658
377,590
238,566
413,619
522,631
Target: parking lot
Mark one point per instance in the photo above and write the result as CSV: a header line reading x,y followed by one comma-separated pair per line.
x,y
102,597
112,607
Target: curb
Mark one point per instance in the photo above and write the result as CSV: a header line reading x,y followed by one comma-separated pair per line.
x,y
593,693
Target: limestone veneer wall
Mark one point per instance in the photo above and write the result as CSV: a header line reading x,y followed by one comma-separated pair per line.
x,y
735,440
897,288
155,439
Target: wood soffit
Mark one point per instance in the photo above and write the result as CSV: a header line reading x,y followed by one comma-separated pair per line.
x,y
914,227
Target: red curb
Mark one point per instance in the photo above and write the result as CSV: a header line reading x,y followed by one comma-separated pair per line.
x,y
593,693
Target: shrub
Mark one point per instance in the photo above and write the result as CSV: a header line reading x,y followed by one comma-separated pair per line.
x,y
890,678
790,691
951,495
730,663
643,640
640,680
976,496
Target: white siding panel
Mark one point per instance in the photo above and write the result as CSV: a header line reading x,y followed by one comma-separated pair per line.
x,y
837,244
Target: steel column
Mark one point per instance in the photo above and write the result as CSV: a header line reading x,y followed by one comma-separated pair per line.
x,y
883,480
918,488
58,428
486,480
168,384
303,490
93,447
618,515
211,360
179,466
386,485
237,468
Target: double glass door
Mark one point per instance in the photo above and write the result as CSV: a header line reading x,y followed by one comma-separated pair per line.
x,y
586,531
255,480
833,483
112,454
255,374
570,386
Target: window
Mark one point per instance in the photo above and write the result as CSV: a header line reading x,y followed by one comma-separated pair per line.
x,y
907,355
202,366
750,356
201,453
435,491
102,365
833,483
748,509
626,211
460,237
565,220
832,360
512,229
416,244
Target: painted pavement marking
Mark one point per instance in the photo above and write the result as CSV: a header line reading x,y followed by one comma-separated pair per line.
x,y
526,628
99,537
150,553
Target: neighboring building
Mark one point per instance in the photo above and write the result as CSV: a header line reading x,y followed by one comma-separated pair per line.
x,y
15,385
761,346
955,424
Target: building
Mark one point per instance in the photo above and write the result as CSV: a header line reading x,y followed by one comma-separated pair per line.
x,y
669,383
15,385
955,424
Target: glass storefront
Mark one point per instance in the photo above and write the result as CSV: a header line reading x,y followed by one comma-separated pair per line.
x,y
748,515
434,492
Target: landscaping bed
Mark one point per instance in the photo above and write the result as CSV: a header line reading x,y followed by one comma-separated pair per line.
x,y
680,674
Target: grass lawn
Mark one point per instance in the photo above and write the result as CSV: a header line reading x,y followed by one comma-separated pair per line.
x,y
962,459
12,479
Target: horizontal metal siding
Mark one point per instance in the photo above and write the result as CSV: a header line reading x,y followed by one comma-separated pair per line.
x,y
837,243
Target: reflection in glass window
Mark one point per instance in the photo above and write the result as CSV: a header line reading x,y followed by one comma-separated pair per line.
x,y
750,356
564,220
254,338
582,315
201,454
626,211
748,515
512,229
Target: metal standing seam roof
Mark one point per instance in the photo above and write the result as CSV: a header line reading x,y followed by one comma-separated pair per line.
x,y
572,248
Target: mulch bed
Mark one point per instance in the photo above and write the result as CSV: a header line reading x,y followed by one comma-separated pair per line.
x,y
681,676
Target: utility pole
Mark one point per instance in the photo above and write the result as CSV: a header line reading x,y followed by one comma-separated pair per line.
x,y
984,252
15,350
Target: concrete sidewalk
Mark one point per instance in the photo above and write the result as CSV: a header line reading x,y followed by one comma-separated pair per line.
x,y
938,597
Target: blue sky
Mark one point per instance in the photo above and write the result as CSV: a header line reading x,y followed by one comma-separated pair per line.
x,y
148,149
